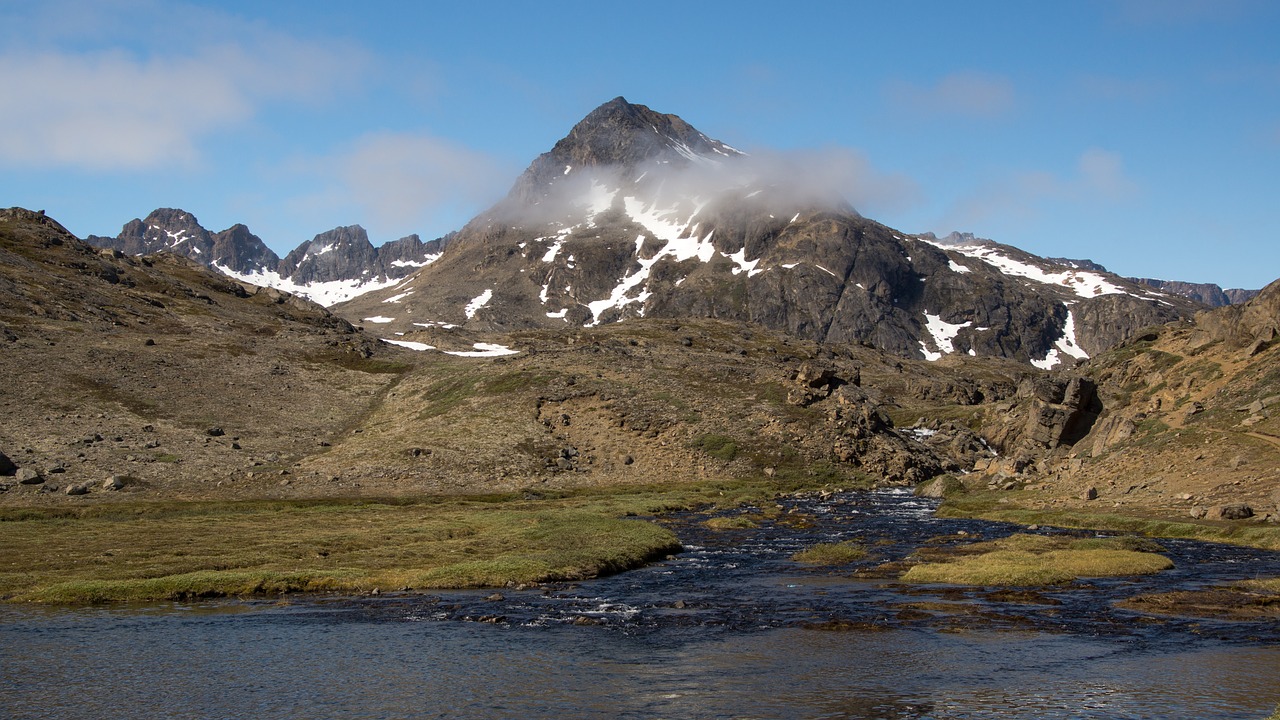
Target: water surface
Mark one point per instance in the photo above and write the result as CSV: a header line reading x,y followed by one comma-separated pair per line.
x,y
729,629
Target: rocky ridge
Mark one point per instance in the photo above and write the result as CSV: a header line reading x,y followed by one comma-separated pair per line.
x,y
335,265
1206,293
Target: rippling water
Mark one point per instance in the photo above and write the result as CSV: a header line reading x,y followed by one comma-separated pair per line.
x,y
719,632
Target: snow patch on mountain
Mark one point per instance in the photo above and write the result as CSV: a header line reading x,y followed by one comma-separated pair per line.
x,y
421,347
426,260
324,293
1065,345
943,334
484,350
1083,283
743,265
478,302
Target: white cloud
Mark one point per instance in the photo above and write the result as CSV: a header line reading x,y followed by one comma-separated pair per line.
x,y
402,179
806,175
966,94
1098,177
397,183
149,106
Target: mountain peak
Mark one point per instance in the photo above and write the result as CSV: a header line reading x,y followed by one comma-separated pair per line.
x,y
619,135
623,133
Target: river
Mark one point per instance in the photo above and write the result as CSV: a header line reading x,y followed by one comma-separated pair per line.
x,y
731,628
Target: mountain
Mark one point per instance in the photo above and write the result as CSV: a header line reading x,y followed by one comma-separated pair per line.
x,y
1207,293
637,214
334,266
179,232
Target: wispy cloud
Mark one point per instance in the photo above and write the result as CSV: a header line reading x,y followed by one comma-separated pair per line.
x,y
406,182
121,106
965,94
1101,176
1098,177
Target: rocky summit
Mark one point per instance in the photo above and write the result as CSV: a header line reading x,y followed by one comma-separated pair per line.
x,y
636,214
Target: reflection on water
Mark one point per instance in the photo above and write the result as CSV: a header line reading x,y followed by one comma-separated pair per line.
x,y
735,650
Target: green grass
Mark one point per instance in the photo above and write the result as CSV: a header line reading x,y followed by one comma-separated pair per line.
x,y
720,447
179,550
1023,560
984,506
840,553
731,522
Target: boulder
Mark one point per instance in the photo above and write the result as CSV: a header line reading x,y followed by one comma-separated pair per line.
x,y
115,482
815,375
6,465
29,476
1062,411
940,487
1233,511
78,489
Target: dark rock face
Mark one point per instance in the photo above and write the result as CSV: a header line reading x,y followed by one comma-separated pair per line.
x,y
345,253
1084,264
403,257
241,251
338,254
179,232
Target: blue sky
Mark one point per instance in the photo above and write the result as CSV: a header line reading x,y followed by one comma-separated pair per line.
x,y
1143,134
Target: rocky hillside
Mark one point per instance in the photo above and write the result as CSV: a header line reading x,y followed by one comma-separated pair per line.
x,y
155,371
334,266
637,214
1183,420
